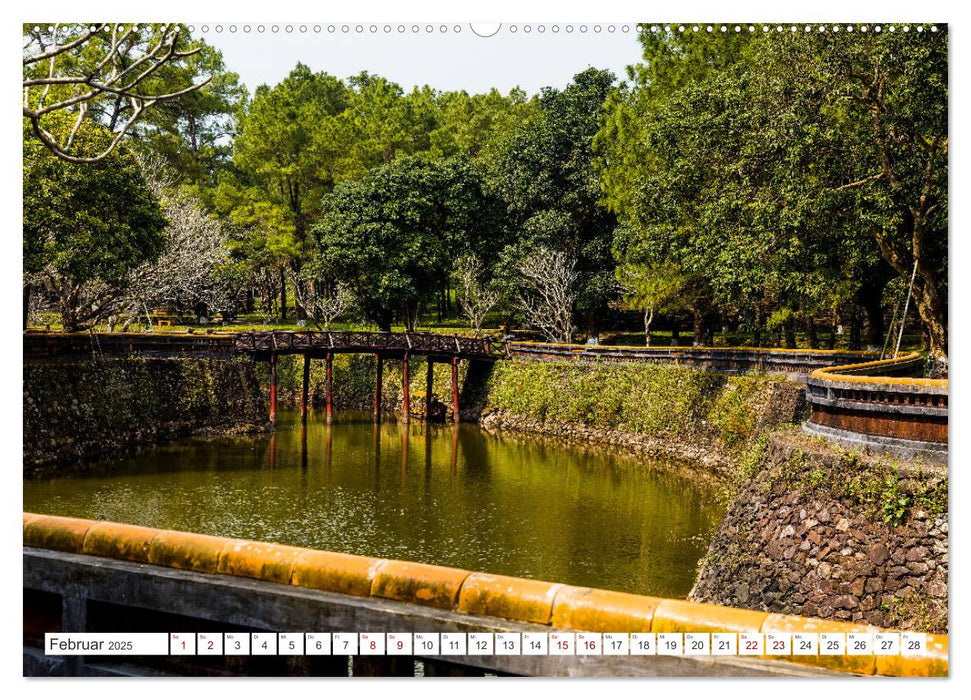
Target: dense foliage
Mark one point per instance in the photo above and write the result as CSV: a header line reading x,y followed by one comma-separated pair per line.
x,y
786,178
87,226
768,183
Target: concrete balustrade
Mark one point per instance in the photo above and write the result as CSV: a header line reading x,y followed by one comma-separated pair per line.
x,y
456,590
865,405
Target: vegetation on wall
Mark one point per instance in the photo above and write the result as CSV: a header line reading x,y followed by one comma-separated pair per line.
x,y
657,400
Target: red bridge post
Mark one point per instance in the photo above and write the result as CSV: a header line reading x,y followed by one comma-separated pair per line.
x,y
306,389
273,387
377,388
405,389
455,390
330,388
428,388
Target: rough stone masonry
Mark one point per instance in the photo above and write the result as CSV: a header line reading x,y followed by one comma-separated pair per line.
x,y
821,532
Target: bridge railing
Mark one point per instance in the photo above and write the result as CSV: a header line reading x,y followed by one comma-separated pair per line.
x,y
132,574
875,405
734,359
292,342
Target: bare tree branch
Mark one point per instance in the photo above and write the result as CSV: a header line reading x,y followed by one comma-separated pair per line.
x,y
477,299
127,62
547,281
323,304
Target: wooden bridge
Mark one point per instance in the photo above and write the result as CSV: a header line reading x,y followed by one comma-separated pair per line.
x,y
321,343
434,347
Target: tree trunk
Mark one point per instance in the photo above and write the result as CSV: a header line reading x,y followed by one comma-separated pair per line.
x,y
698,327
703,326
711,322
790,335
593,325
811,339
931,313
648,318
871,302
931,306
283,295
855,329
675,332
757,324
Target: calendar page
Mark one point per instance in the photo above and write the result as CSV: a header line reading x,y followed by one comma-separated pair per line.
x,y
598,343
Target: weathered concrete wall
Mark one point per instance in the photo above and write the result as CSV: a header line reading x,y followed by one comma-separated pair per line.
x,y
405,592
77,408
860,406
816,530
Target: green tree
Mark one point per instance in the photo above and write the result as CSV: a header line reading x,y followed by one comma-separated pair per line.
x,y
261,240
193,134
393,235
783,174
285,145
543,170
889,93
86,225
471,124
647,287
383,123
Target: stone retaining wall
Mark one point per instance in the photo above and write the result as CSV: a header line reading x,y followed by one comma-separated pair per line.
x,y
819,531
78,408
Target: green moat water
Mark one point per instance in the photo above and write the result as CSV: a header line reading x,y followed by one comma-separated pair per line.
x,y
462,497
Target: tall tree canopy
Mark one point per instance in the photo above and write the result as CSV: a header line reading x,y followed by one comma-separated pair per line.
x,y
86,225
393,235
284,141
785,173
544,172
193,134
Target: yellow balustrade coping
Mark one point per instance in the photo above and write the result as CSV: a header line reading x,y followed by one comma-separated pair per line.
x,y
524,600
836,374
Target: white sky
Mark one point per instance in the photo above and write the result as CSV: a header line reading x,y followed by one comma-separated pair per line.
x,y
529,56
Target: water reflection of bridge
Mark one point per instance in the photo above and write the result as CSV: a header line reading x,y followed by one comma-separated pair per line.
x,y
434,347
375,450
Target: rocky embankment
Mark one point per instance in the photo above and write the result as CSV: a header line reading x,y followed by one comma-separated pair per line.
x,y
815,530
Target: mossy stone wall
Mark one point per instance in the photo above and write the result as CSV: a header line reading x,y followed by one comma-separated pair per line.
x,y
701,415
78,408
